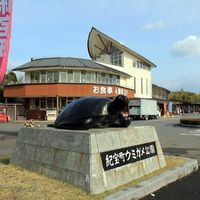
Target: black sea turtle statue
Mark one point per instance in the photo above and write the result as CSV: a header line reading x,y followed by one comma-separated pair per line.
x,y
94,112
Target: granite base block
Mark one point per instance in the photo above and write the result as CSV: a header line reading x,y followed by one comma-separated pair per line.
x,y
76,156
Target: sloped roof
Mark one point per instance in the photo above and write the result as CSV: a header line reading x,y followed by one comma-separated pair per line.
x,y
99,42
67,62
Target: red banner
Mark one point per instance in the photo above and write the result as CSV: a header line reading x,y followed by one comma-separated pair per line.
x,y
5,29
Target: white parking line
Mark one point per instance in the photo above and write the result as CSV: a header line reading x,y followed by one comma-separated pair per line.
x,y
198,130
190,134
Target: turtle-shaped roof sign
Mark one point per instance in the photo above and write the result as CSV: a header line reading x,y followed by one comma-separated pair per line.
x,y
94,112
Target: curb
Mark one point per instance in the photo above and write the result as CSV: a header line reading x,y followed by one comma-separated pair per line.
x,y
155,183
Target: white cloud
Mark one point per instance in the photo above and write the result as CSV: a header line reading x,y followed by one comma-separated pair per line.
x,y
154,25
189,47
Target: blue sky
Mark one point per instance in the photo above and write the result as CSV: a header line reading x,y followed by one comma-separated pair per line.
x,y
165,32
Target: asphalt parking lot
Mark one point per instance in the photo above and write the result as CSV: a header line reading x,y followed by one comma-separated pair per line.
x,y
175,140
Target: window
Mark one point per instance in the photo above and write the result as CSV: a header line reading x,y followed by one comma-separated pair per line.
x,y
32,104
37,103
43,103
139,64
141,86
63,77
103,78
63,103
110,79
51,103
69,100
99,78
135,84
93,77
134,64
49,77
77,76
70,76
56,77
83,76
88,77
118,81
107,79
115,57
147,86
35,77
43,76
114,80
142,65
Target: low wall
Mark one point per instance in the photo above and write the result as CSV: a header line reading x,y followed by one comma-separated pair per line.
x,y
96,160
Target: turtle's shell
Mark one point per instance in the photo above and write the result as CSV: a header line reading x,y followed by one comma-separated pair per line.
x,y
83,108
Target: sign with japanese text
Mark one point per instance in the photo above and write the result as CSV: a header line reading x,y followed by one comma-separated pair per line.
x,y
109,90
5,29
119,157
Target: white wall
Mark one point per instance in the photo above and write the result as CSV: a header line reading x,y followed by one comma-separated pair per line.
x,y
138,73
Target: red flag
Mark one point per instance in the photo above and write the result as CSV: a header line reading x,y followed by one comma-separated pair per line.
x,y
5,29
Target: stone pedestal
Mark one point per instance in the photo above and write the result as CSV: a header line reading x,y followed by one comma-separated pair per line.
x,y
96,160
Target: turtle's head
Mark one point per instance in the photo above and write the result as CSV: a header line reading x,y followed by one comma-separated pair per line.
x,y
119,104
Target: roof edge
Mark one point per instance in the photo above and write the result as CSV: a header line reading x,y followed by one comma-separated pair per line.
x,y
119,44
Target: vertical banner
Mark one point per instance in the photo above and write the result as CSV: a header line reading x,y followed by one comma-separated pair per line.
x,y
5,29
170,107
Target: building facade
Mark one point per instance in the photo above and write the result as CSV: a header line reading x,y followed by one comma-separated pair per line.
x,y
52,83
161,95
107,51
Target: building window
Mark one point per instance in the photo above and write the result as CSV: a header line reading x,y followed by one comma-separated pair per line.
x,y
107,79
88,77
69,100
49,77
51,103
70,76
116,56
32,104
35,77
114,80
134,64
63,103
103,78
63,77
43,103
139,64
43,77
37,103
147,86
83,76
99,78
56,77
135,84
93,77
141,86
77,76
142,65
118,81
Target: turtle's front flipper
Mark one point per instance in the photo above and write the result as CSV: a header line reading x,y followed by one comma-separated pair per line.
x,y
121,122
